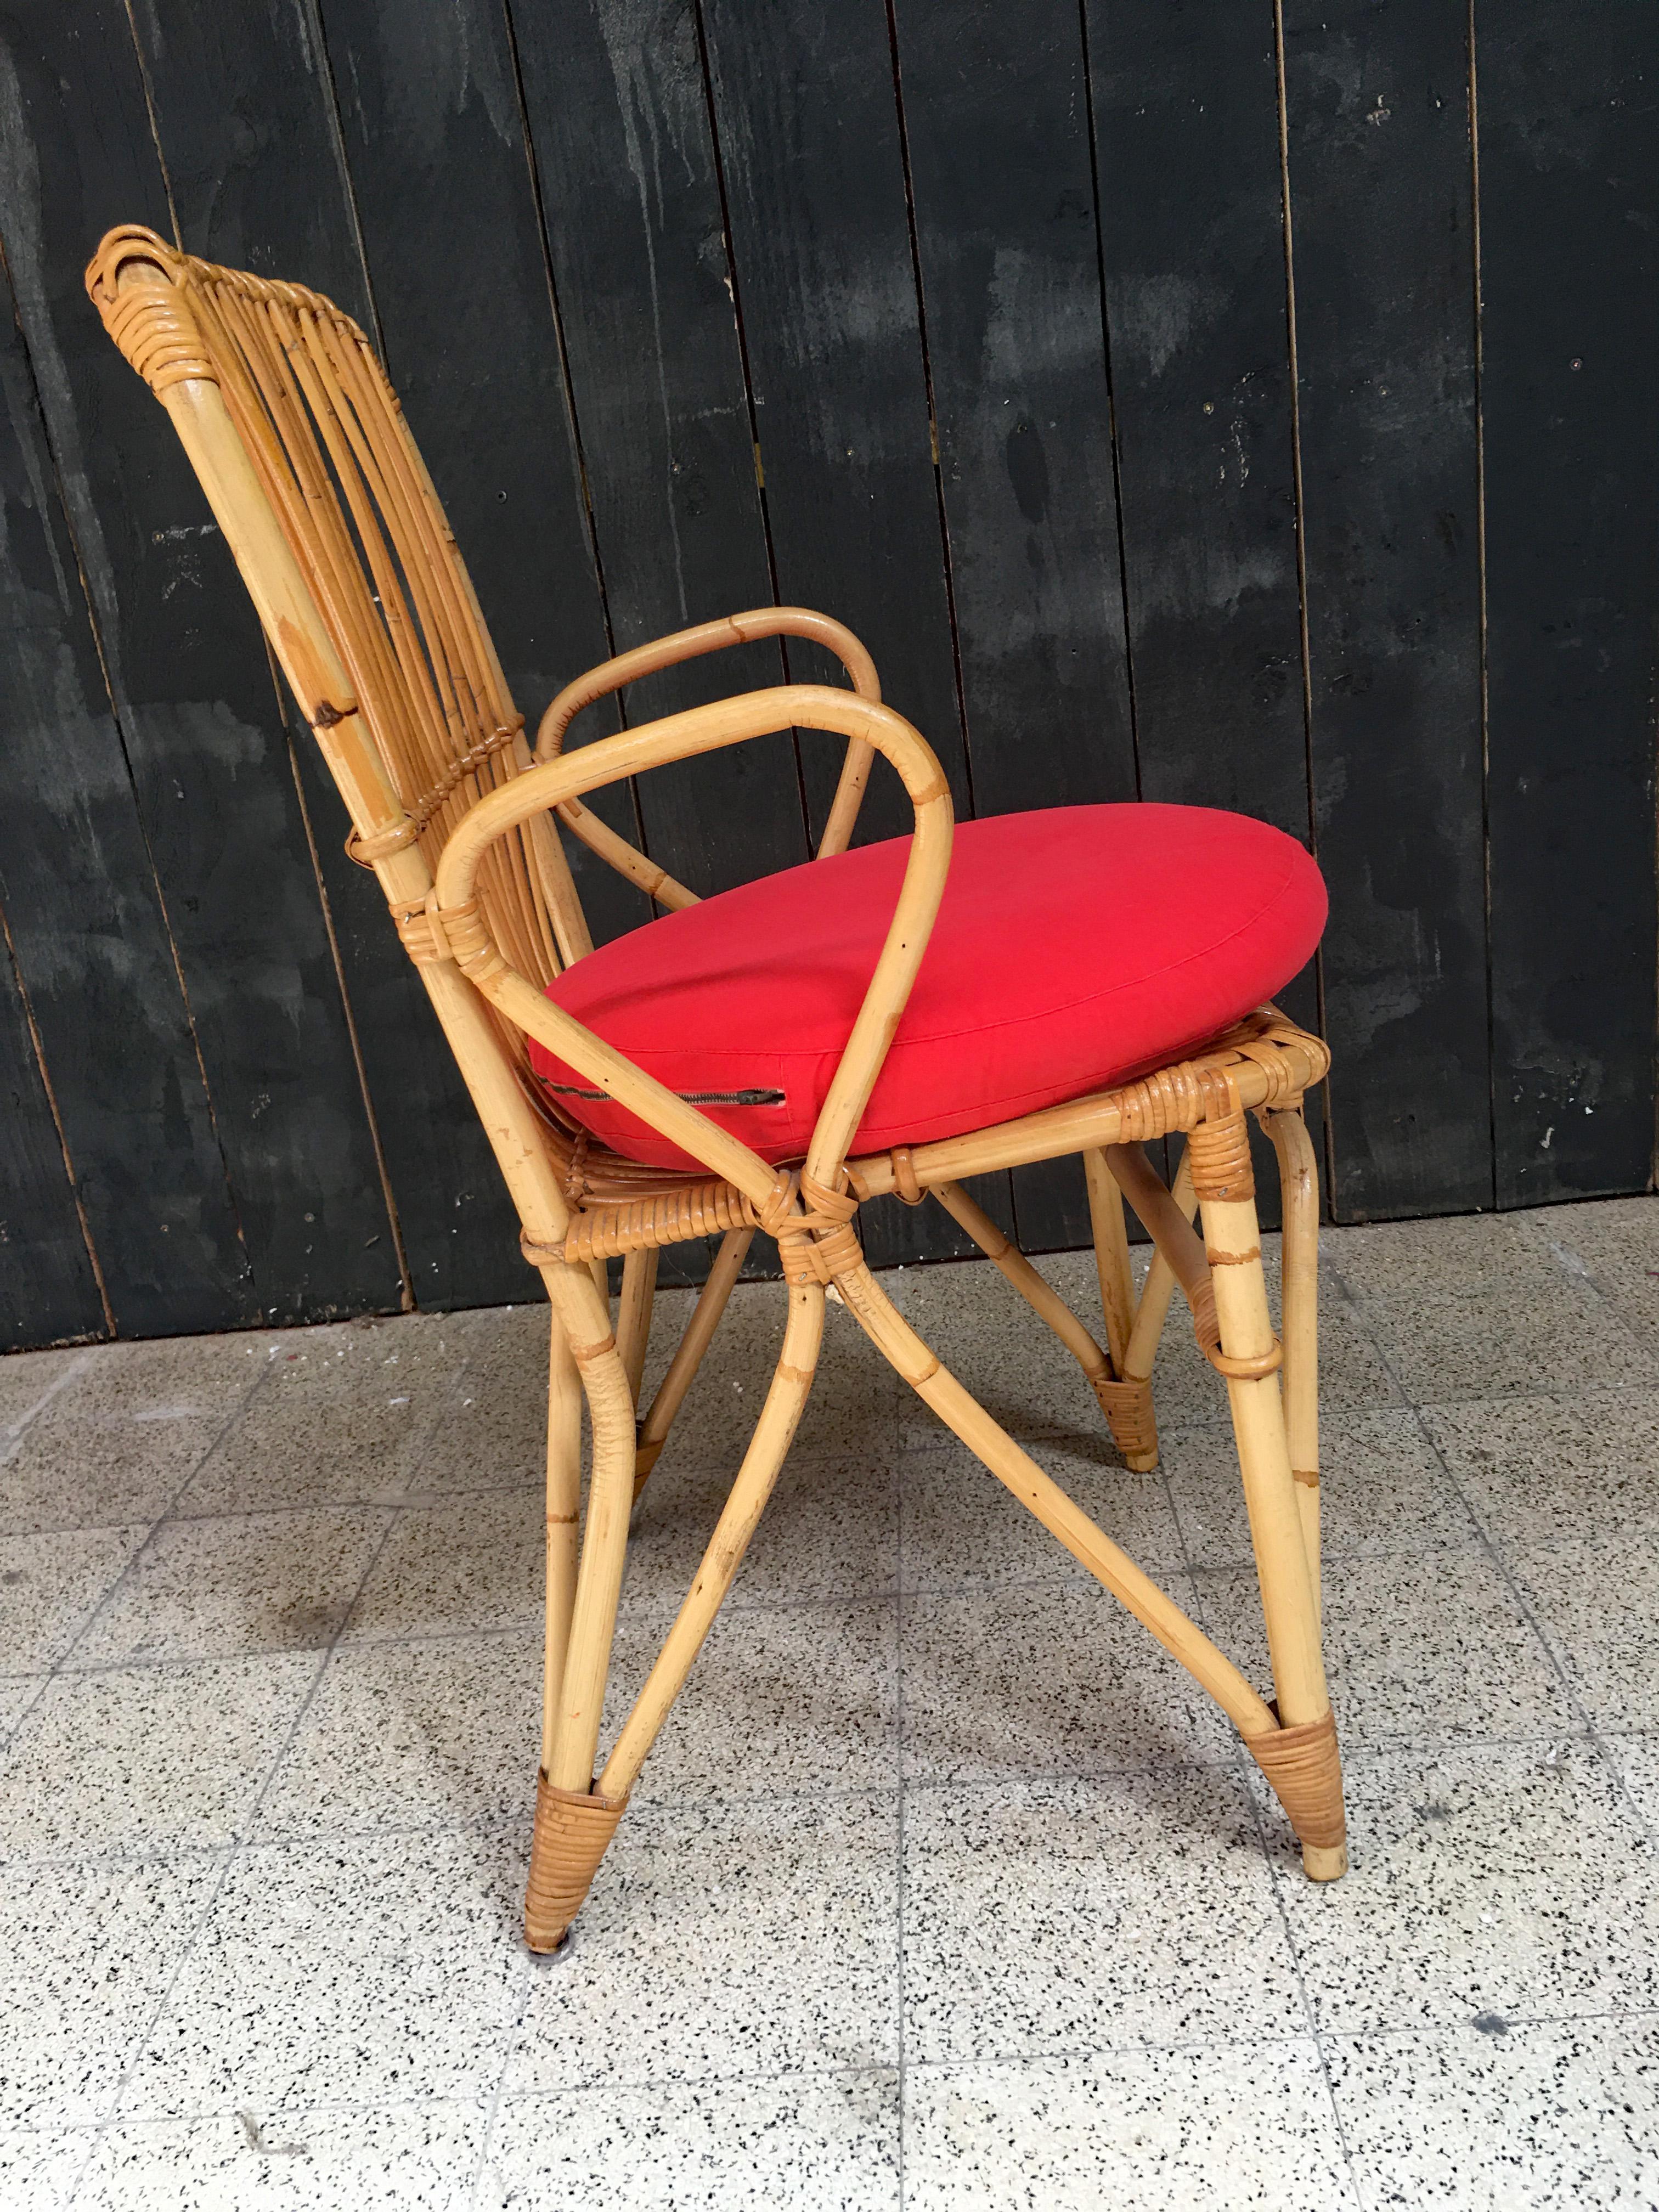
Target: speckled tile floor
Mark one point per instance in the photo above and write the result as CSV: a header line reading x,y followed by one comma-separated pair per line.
x,y
943,1888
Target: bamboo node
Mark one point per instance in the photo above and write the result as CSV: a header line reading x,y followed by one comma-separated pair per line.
x,y
584,1354
1304,1767
573,1829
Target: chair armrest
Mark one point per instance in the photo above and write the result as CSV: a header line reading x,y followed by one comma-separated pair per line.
x,y
682,736
690,645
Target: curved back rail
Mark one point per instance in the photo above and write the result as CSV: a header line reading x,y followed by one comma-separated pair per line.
x,y
372,614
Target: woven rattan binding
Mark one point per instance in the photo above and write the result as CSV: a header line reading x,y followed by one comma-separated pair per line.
x,y
571,1835
1306,1769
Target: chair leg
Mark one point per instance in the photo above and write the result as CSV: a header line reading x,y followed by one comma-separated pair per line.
x,y
688,1354
564,1492
1301,1761
1044,1300
1298,1181
1146,1332
572,1825
638,1290
774,1433
1127,1404
1043,1497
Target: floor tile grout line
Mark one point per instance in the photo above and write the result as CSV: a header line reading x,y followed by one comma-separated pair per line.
x,y
1497,1560
812,1792
187,1949
1048,2054
15,1430
60,1666
1589,1726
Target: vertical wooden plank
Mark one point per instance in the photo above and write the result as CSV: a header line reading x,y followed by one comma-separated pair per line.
x,y
440,175
441,180
244,109
76,878
1381,231
206,745
1568,123
1201,378
619,116
995,110
808,138
809,148
1201,392
48,1292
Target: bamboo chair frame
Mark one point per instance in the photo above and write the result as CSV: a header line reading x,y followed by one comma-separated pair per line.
x,y
301,448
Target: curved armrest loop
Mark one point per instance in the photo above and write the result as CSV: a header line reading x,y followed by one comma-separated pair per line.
x,y
690,645
680,737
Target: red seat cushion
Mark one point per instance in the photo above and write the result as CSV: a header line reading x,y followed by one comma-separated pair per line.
x,y
1074,947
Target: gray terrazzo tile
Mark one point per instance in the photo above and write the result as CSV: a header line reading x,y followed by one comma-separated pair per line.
x,y
1534,1467
850,1411
372,1970
148,1759
411,2158
1425,1648
1353,1376
1516,2117
830,1529
30,1380
812,2143
490,1431
478,1562
1051,1677
1063,1915
1382,1489
414,1735
1211,2129
340,1420
16,1696
759,1937
977,1323
787,1698
1478,1307
270,1582
960,1525
1616,1242
1511,1880
1597,1598
86,1955
40,2169
49,1585
1637,1759
116,1442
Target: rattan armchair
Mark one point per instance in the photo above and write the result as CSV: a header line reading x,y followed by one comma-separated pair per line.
x,y
302,450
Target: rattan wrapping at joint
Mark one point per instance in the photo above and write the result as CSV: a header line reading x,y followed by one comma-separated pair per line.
x,y
571,1835
1306,1769
1220,1154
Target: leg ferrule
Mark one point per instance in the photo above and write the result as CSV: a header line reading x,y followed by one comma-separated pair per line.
x,y
1306,1769
573,1829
